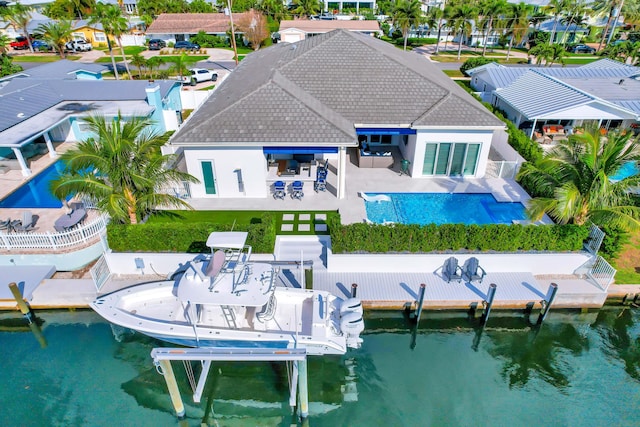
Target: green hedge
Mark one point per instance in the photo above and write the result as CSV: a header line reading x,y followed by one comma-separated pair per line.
x,y
455,237
186,237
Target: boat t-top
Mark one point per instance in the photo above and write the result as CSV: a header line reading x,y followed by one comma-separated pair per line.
x,y
223,300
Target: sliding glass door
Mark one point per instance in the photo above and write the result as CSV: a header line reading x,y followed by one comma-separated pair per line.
x,y
447,158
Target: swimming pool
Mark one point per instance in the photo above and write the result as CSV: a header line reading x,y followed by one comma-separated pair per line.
x,y
443,208
628,169
35,193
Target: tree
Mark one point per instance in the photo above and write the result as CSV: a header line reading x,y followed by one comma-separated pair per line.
x,y
153,65
576,12
254,26
542,52
178,65
7,67
56,34
407,14
139,62
200,6
573,180
518,23
305,7
115,25
435,19
5,41
462,17
273,8
121,168
19,16
491,10
556,8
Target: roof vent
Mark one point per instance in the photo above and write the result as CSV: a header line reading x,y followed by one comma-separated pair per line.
x,y
20,115
621,81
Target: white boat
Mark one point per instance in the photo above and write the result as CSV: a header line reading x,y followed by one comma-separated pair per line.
x,y
223,300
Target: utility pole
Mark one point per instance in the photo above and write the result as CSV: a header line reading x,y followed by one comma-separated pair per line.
x,y
233,33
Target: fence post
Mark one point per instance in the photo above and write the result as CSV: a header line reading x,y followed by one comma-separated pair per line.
x,y
5,241
501,167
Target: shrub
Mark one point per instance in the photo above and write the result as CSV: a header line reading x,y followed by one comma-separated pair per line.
x,y
186,237
375,238
473,63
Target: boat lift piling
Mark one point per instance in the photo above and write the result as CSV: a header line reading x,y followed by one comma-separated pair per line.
x,y
418,312
546,302
491,294
162,358
28,314
354,290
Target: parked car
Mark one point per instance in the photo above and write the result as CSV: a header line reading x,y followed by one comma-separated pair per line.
x,y
20,43
198,75
78,46
186,45
40,45
582,48
156,44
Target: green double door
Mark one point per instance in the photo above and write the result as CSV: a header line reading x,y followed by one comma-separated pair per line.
x,y
448,158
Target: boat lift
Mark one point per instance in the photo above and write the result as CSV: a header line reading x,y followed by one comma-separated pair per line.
x,y
162,358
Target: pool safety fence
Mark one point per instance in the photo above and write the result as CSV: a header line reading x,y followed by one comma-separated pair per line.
x,y
602,273
502,169
80,235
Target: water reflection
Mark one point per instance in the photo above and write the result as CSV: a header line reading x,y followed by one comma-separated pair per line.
x,y
618,327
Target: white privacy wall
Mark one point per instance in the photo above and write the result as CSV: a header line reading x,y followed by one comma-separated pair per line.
x,y
226,162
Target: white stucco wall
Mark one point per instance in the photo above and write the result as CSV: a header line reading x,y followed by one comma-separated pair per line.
x,y
482,137
226,161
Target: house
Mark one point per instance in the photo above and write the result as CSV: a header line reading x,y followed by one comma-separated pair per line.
x,y
300,29
289,107
172,27
93,33
43,106
603,91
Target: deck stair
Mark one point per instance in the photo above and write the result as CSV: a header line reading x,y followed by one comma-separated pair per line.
x,y
229,316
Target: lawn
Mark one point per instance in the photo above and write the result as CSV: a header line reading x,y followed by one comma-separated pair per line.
x,y
454,58
188,59
132,50
107,59
454,73
247,217
42,58
581,60
628,263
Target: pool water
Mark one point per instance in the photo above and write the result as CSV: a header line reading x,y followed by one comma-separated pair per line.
x,y
627,170
35,193
443,208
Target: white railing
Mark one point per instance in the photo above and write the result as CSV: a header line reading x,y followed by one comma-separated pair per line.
x,y
602,273
78,236
181,190
100,272
593,242
501,169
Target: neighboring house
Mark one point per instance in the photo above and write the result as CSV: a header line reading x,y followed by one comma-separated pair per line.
x,y
93,33
36,19
564,33
310,101
42,106
172,27
603,91
300,29
357,5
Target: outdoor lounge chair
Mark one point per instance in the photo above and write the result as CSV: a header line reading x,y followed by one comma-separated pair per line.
x,y
279,190
296,190
28,223
451,270
471,270
320,185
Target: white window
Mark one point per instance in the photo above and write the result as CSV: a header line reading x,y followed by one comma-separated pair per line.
x,y
100,37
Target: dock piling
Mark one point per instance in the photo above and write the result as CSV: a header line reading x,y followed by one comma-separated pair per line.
x,y
172,385
491,294
354,290
22,304
303,392
418,312
546,303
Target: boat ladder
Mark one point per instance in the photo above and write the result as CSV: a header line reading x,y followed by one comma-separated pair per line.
x,y
229,316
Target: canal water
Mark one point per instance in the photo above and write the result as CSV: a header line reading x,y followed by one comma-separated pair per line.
x,y
575,370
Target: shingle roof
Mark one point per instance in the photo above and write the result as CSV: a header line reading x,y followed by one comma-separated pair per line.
x,y
23,98
316,90
192,23
63,69
324,26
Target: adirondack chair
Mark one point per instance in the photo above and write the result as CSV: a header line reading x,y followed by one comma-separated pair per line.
x,y
471,270
451,270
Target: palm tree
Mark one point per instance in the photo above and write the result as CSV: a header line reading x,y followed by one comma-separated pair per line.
x,y
435,19
463,16
542,52
558,53
153,64
56,34
306,7
576,11
556,8
115,25
273,8
19,16
179,65
4,42
491,10
140,62
573,180
407,14
518,23
121,168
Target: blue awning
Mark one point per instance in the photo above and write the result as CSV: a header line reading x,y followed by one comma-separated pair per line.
x,y
299,150
385,131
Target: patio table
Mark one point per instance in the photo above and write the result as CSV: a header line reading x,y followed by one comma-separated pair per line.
x,y
67,221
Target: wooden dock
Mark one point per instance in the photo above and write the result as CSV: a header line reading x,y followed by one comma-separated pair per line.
x,y
514,290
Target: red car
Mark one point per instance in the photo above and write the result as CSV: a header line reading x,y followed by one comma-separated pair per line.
x,y
20,43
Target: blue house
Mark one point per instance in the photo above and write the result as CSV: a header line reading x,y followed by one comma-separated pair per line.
x,y
43,106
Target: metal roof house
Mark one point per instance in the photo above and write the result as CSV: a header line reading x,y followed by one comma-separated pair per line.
x,y
604,91
40,108
311,101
